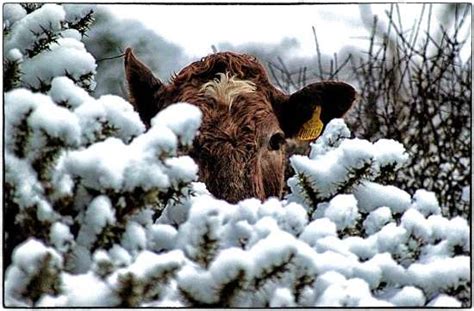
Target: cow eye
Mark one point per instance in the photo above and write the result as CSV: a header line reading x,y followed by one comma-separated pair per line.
x,y
276,141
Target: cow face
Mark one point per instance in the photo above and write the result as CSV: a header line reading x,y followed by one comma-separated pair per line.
x,y
240,148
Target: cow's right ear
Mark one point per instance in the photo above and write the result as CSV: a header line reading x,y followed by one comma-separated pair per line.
x,y
305,113
143,87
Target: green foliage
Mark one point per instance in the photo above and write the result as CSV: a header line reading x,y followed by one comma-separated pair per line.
x,y
45,281
207,248
130,290
45,39
11,75
22,136
31,6
83,24
311,194
45,164
355,175
272,272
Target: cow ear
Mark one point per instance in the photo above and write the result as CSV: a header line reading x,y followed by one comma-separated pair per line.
x,y
143,87
305,113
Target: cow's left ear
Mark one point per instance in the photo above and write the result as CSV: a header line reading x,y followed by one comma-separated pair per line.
x,y
143,87
304,113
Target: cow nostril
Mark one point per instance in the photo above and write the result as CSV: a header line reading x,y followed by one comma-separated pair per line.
x,y
276,141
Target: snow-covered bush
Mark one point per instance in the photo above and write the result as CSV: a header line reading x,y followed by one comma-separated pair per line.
x,y
100,212
45,43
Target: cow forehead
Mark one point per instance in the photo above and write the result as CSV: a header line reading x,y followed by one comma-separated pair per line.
x,y
243,66
226,88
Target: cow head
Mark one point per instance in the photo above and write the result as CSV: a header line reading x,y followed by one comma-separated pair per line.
x,y
240,148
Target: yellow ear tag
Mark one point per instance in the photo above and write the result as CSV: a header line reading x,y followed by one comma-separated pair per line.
x,y
313,127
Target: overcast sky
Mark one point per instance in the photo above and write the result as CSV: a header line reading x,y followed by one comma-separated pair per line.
x,y
197,28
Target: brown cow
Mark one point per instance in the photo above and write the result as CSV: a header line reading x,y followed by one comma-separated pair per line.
x,y
240,148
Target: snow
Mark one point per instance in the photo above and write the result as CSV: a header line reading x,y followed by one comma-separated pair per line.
x,y
444,301
330,138
56,122
377,219
342,210
188,276
363,248
439,226
408,296
249,208
14,55
13,12
20,174
369,272
101,256
294,219
101,165
371,195
391,237
201,227
282,297
30,254
327,279
119,256
347,293
60,236
317,229
458,232
247,240
113,164
19,103
134,238
45,212
22,36
440,273
230,263
426,203
87,290
75,12
99,214
161,237
334,261
158,141
149,266
274,250
416,224
392,272
52,301
332,243
63,90
71,33
272,207
182,118
28,258
333,161
112,111
120,114
390,152
455,231
466,194
66,56
355,243
326,171
181,169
